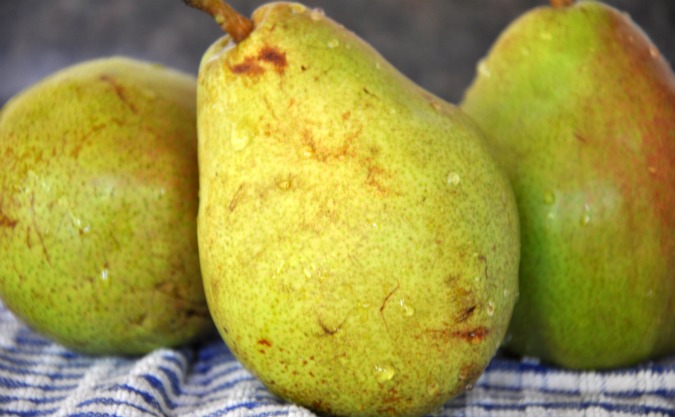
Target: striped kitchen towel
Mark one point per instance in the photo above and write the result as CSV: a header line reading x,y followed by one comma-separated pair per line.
x,y
40,378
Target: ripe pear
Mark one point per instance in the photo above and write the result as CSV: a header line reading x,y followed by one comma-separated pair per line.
x,y
359,245
579,107
98,201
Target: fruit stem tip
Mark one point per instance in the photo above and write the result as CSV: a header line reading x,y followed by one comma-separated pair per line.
x,y
559,4
236,25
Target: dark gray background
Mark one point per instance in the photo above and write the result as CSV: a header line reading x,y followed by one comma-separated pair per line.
x,y
437,43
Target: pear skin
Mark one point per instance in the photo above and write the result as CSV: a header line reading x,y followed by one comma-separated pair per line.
x,y
98,201
359,245
579,107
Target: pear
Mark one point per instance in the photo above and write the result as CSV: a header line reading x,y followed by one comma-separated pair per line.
x,y
359,245
579,108
98,201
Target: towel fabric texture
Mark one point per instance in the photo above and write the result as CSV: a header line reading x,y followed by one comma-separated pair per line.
x,y
41,378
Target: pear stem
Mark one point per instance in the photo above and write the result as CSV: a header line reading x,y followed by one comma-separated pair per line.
x,y
236,25
559,4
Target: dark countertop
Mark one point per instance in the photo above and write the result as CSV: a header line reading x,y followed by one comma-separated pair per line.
x,y
437,43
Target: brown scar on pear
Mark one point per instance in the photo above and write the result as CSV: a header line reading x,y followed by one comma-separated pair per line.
x,y
465,314
265,342
328,331
275,57
120,91
235,199
483,259
472,336
253,65
6,221
248,67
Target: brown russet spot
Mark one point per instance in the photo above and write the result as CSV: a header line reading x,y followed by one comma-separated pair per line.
x,y
472,336
5,221
393,396
275,57
388,410
265,342
252,65
451,279
324,409
324,153
248,67
376,178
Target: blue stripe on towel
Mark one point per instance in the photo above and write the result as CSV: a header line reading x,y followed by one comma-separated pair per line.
x,y
147,397
116,402
27,413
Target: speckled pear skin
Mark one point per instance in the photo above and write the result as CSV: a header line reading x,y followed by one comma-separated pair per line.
x,y
579,108
98,205
359,245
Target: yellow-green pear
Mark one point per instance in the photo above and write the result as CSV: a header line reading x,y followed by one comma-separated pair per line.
x,y
98,205
359,245
579,107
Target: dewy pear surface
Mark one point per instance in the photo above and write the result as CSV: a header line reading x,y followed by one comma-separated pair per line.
x,y
580,110
359,245
98,200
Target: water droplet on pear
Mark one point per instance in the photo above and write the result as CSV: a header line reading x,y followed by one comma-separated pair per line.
x,y
408,311
239,142
284,184
483,69
453,179
384,373
317,14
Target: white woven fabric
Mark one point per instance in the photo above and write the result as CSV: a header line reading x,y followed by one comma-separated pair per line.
x,y
40,378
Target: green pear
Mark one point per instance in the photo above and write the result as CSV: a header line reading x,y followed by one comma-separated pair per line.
x,y
579,107
359,245
98,201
